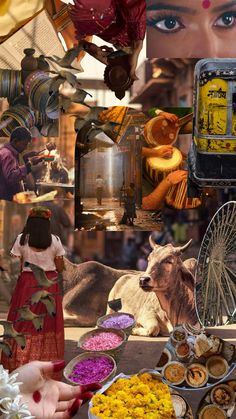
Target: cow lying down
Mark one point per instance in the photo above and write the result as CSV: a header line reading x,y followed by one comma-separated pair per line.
x,y
163,296
86,289
159,298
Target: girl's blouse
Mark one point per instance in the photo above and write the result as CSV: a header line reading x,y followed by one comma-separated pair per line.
x,y
44,259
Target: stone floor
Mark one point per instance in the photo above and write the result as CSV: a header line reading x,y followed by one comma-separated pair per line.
x,y
110,213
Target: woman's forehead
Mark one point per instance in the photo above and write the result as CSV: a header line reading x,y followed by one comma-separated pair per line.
x,y
206,4
191,6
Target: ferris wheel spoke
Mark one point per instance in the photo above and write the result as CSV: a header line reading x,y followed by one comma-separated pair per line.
x,y
226,223
231,290
219,313
232,273
205,297
216,294
218,283
230,238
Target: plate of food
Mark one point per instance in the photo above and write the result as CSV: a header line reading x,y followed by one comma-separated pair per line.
x,y
195,360
218,402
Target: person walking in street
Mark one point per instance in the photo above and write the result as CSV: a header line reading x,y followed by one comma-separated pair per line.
x,y
99,189
12,174
130,204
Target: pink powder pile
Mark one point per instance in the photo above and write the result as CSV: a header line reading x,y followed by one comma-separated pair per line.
x,y
118,322
91,370
102,342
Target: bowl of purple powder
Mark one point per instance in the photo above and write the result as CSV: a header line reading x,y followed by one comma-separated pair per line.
x,y
90,367
123,321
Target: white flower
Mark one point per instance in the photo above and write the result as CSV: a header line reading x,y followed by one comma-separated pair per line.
x,y
10,397
8,386
13,409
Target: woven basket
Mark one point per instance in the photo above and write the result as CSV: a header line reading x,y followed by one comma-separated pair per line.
x,y
127,330
116,352
69,367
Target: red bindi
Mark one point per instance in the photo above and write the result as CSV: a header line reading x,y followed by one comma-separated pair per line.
x,y
206,4
37,396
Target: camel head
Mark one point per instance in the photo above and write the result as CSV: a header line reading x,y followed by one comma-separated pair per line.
x,y
165,269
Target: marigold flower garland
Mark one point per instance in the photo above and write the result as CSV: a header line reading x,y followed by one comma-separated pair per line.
x,y
10,398
137,397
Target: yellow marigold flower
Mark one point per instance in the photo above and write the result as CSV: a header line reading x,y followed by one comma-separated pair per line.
x,y
139,397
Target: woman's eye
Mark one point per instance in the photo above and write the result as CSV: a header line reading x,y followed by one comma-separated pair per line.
x,y
168,24
227,20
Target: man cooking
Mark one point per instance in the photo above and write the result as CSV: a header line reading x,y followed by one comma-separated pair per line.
x,y
12,174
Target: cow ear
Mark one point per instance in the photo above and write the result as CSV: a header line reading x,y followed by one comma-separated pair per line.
x,y
187,277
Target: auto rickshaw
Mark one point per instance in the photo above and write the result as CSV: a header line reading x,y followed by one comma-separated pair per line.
x,y
212,157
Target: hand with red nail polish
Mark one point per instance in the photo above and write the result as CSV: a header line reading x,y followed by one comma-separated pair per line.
x,y
47,398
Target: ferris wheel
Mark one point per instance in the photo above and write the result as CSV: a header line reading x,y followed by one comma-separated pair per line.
x,y
215,293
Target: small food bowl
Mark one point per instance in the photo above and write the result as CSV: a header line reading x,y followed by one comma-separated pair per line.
x,y
91,341
196,375
120,321
95,367
164,359
174,373
178,335
222,395
232,384
180,405
212,411
217,367
183,351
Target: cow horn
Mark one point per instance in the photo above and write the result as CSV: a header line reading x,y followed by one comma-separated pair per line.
x,y
152,242
181,249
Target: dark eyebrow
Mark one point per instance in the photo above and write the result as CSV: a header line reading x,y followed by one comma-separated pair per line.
x,y
163,6
224,6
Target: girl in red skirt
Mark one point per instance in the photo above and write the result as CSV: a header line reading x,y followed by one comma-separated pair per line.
x,y
37,246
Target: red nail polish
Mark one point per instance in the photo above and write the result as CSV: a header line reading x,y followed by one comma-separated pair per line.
x,y
86,396
37,396
75,407
58,365
88,387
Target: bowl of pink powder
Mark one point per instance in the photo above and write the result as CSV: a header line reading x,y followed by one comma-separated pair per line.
x,y
110,341
123,321
90,367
